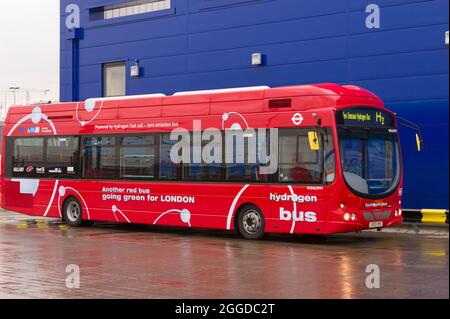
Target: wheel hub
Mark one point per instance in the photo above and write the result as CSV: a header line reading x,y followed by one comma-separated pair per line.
x,y
252,222
73,212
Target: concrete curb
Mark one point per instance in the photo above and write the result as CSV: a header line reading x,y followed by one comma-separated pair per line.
x,y
435,230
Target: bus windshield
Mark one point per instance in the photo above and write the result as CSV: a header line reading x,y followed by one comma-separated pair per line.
x,y
370,161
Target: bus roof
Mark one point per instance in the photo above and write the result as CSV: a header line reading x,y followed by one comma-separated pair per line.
x,y
333,96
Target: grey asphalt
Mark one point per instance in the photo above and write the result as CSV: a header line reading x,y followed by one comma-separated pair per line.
x,y
118,261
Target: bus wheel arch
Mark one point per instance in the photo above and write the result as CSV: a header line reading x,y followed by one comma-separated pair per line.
x,y
249,221
72,212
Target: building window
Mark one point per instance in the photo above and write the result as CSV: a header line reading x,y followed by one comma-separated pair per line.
x,y
114,79
134,7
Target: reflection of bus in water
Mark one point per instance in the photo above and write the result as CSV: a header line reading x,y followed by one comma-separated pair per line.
x,y
338,164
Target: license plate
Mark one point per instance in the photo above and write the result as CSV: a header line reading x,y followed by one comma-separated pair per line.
x,y
378,224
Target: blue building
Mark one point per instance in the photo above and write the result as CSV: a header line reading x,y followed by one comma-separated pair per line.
x,y
120,47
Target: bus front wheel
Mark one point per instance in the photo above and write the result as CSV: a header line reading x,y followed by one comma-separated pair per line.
x,y
250,222
72,213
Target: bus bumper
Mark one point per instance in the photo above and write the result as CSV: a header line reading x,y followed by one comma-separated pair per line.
x,y
334,227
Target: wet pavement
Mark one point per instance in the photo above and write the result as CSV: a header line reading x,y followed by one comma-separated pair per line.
x,y
122,261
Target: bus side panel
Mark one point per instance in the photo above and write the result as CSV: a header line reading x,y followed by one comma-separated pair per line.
x,y
28,196
296,209
287,209
186,205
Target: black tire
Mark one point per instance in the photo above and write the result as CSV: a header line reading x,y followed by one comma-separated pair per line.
x,y
72,213
250,222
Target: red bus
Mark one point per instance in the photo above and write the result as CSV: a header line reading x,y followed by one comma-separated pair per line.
x,y
339,166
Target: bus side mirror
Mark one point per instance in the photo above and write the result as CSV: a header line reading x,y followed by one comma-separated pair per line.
x,y
408,124
313,141
419,143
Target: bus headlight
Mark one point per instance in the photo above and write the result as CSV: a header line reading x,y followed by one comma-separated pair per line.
x,y
349,217
398,213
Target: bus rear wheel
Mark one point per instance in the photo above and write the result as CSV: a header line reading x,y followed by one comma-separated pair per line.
x,y
72,213
250,222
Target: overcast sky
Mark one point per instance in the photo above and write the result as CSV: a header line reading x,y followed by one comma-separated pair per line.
x,y
29,49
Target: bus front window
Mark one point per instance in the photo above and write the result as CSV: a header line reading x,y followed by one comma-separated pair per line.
x,y
370,161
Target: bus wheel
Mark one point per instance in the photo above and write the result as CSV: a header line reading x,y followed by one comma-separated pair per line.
x,y
72,213
250,222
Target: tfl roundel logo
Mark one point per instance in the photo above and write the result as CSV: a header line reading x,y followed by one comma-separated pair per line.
x,y
30,169
297,119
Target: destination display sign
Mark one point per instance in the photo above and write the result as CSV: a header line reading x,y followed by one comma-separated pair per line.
x,y
364,117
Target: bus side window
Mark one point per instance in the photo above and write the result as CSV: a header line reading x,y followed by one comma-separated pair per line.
x,y
297,162
329,158
167,169
28,155
63,156
100,160
137,157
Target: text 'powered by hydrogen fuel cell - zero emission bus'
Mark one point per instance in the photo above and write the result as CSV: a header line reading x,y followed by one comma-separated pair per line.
x,y
335,166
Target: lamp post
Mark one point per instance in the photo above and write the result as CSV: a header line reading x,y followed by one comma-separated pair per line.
x,y
14,89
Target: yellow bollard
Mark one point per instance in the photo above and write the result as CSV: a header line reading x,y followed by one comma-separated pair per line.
x,y
433,216
42,224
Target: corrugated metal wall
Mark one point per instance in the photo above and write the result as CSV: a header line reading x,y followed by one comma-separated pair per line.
x,y
203,44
